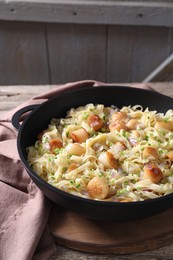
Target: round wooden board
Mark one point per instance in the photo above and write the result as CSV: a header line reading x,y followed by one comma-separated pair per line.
x,y
122,237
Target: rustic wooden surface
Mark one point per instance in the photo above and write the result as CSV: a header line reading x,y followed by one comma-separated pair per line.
x,y
23,55
89,12
76,51
12,96
34,53
114,237
50,41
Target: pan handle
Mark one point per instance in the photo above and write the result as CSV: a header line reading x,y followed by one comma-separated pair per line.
x,y
15,120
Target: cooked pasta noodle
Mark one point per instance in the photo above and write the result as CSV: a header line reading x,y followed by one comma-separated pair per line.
x,y
106,153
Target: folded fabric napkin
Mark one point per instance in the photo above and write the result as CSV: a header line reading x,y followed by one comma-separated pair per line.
x,y
24,210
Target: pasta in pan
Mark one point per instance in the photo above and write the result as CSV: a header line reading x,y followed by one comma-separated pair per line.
x,y
106,153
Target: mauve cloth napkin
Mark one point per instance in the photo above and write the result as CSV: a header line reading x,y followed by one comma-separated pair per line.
x,y
24,210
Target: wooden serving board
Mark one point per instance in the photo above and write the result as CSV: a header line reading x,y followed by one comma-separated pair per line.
x,y
122,237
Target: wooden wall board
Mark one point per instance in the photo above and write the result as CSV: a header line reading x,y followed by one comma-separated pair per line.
x,y
163,72
53,53
151,50
134,51
76,52
23,55
120,53
157,13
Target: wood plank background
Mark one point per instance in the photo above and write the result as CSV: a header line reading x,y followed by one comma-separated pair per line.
x,y
13,96
89,41
153,13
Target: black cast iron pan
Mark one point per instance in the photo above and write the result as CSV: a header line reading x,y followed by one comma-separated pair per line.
x,y
57,107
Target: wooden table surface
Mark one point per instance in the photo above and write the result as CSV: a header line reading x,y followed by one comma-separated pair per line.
x,y
12,96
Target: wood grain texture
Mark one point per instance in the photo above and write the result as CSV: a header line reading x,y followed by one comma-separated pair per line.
x,y
23,55
58,41
164,72
133,52
38,53
62,253
80,233
13,96
157,13
76,52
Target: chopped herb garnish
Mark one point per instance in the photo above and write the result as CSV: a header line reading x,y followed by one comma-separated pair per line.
x,y
146,138
125,133
122,191
67,134
44,139
100,174
160,151
57,150
165,119
64,169
103,117
85,115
